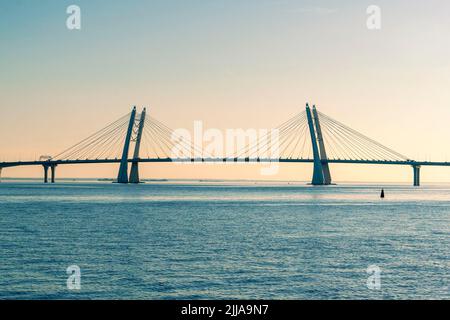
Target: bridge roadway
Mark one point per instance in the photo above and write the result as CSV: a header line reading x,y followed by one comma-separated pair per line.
x,y
49,163
52,164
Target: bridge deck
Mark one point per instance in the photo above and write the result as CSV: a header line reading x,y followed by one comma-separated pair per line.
x,y
216,160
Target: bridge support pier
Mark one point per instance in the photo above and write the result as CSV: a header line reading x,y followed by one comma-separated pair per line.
x,y
416,170
45,174
318,178
1,174
134,173
53,172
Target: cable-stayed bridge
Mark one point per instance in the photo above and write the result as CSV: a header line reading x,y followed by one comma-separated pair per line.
x,y
308,137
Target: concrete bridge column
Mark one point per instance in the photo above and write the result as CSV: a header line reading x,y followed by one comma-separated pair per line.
x,y
45,174
123,170
318,178
416,170
134,174
53,171
322,151
1,174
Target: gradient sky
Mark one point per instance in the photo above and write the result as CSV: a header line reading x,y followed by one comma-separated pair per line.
x,y
232,64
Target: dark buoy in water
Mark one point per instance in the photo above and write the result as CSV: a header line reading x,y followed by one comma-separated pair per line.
x,y
382,193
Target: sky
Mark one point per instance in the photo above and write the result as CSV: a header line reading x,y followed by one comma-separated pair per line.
x,y
230,64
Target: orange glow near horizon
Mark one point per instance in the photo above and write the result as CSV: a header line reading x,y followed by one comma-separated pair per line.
x,y
234,65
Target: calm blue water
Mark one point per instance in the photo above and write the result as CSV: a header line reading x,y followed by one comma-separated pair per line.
x,y
223,241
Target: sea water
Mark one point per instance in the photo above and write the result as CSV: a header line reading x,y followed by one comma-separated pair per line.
x,y
223,240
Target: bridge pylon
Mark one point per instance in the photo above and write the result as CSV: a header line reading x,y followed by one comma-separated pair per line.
x,y
322,151
134,174
123,170
318,177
